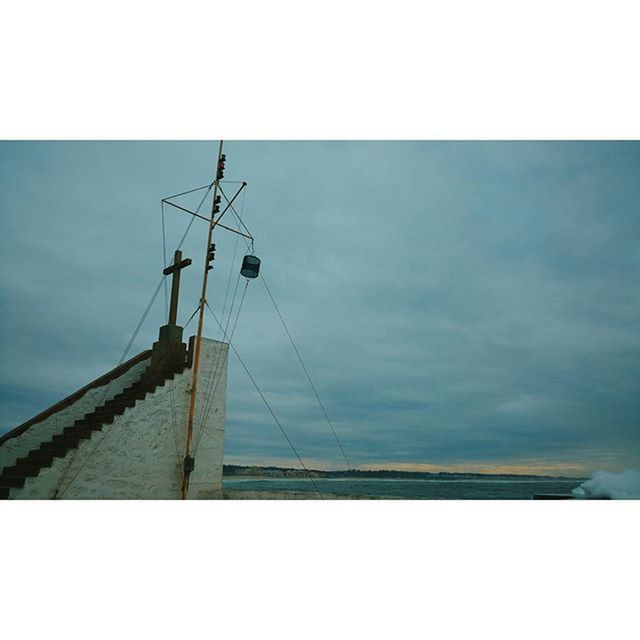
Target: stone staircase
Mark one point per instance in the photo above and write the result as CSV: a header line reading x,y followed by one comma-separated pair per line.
x,y
14,476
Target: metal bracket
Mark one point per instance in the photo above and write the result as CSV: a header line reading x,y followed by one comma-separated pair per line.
x,y
189,464
214,222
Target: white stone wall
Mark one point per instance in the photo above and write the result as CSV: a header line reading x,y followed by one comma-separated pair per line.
x,y
206,478
140,455
20,445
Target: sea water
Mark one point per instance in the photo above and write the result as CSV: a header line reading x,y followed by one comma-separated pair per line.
x,y
427,489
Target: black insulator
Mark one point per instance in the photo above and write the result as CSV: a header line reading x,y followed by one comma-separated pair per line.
x,y
250,267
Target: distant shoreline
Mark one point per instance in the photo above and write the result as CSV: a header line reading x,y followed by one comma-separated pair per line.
x,y
239,472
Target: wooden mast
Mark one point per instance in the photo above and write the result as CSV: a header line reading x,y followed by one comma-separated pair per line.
x,y
188,459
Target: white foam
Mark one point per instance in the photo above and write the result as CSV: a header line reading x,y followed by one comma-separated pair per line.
x,y
624,485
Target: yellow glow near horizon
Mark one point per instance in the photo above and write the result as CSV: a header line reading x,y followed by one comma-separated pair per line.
x,y
578,470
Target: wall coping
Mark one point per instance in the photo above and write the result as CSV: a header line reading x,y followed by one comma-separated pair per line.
x,y
74,397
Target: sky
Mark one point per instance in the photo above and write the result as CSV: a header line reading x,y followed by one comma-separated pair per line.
x,y
459,305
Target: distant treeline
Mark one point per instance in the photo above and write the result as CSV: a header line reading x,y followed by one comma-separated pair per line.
x,y
233,470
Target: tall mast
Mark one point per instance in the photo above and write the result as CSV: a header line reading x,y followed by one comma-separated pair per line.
x,y
188,460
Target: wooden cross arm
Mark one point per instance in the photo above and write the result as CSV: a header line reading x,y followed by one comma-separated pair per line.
x,y
174,267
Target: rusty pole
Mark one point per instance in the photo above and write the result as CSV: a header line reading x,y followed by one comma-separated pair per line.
x,y
188,460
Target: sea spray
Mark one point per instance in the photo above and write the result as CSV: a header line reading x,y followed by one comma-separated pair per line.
x,y
624,485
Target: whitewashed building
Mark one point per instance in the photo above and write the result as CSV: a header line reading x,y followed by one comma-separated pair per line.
x,y
123,435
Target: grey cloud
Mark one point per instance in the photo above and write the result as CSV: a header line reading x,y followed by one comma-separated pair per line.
x,y
453,301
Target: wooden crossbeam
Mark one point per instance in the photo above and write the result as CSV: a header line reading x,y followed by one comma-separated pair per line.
x,y
174,271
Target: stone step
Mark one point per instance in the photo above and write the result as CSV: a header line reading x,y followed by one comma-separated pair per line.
x,y
61,444
62,440
11,482
90,425
129,400
107,412
24,471
41,455
85,431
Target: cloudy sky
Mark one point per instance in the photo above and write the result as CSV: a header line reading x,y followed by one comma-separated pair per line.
x,y
459,305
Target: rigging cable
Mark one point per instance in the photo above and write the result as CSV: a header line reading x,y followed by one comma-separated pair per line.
x,y
217,376
171,383
184,193
217,365
173,410
172,404
104,394
164,262
192,317
230,205
304,368
255,384
233,259
295,348
164,241
186,231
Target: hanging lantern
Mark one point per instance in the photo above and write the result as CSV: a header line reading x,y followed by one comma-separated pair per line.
x,y
250,267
